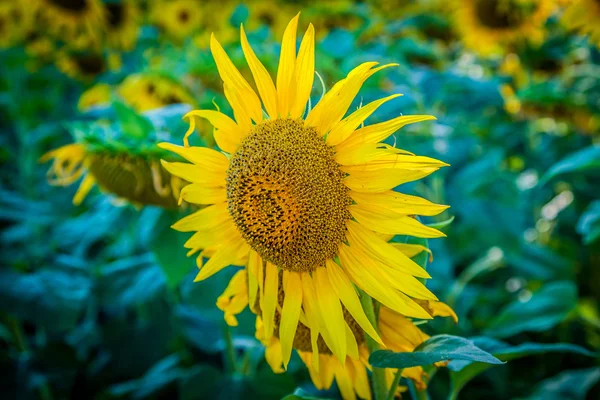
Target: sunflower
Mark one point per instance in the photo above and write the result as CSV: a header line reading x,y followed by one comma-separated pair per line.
x,y
84,66
15,23
122,24
487,26
146,91
77,22
264,14
584,15
96,95
133,178
302,197
177,19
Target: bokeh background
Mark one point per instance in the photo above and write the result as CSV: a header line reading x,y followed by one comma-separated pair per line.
x,y
97,299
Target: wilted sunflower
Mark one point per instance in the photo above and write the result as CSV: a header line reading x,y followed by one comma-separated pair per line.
x,y
133,178
77,22
487,26
302,198
122,24
584,15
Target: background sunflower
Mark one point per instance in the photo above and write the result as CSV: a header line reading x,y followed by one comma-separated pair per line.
x,y
99,299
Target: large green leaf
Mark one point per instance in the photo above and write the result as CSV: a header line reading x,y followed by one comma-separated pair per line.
x,y
463,371
435,349
584,160
589,223
546,308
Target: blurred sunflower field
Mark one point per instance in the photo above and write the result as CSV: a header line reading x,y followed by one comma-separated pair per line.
x,y
300,200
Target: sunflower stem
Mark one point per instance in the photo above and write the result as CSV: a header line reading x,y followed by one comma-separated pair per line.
x,y
392,391
378,376
229,356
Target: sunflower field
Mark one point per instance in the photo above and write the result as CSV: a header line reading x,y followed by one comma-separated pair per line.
x,y
271,199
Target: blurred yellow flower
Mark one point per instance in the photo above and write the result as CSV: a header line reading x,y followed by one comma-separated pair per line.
x,y
84,66
298,195
122,24
146,91
584,15
488,26
15,22
177,19
77,22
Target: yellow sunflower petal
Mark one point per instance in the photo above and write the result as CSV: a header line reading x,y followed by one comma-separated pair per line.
x,y
398,202
353,263
304,73
383,180
253,261
245,100
411,250
207,218
371,244
331,310
270,299
312,316
285,72
264,83
290,314
84,188
344,383
351,345
343,129
201,156
273,356
332,107
199,194
228,134
222,258
195,174
381,131
347,294
381,220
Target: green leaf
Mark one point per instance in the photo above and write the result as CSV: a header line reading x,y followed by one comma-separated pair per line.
x,y
589,224
435,349
573,384
132,124
463,371
442,224
584,160
171,255
546,308
301,394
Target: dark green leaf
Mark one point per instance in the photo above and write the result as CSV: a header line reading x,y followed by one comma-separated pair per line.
x,y
435,349
584,160
132,124
573,385
589,223
546,308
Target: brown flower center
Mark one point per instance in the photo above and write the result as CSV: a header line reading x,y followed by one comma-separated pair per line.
x,y
71,5
286,195
500,14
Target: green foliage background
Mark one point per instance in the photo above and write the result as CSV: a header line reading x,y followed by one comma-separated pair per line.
x,y
97,300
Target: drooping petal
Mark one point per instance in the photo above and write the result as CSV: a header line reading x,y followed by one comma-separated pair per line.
x,y
264,83
290,314
331,311
380,291
84,188
371,244
253,275
246,100
378,132
270,299
226,255
383,221
287,64
344,383
195,174
312,316
304,73
347,294
343,129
